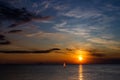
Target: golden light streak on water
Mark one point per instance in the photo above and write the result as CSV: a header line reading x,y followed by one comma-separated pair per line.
x,y
81,72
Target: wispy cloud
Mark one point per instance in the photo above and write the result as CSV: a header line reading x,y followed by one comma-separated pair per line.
x,y
46,4
111,44
91,15
90,34
110,7
35,5
50,36
82,13
82,30
102,41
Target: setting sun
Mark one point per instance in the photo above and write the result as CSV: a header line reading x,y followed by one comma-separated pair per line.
x,y
80,58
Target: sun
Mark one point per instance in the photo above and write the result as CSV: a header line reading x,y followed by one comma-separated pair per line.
x,y
80,58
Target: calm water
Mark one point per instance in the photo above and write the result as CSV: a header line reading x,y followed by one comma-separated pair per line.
x,y
57,72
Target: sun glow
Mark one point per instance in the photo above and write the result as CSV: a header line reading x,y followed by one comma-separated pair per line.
x,y
80,58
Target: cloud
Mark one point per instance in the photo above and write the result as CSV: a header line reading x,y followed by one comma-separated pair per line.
x,y
111,44
34,5
54,4
85,30
92,35
110,7
37,18
98,54
91,16
5,42
82,13
38,51
77,29
14,17
50,36
30,18
61,7
2,37
15,31
46,3
19,16
103,41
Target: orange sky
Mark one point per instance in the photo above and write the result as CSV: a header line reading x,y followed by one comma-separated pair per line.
x,y
44,58
69,57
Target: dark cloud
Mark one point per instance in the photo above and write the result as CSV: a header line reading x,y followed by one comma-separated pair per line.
x,y
30,18
5,42
98,54
39,51
18,15
14,31
2,37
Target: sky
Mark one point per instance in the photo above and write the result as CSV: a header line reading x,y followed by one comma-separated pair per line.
x,y
44,31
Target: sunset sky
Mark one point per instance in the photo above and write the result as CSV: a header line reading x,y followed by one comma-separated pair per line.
x,y
57,31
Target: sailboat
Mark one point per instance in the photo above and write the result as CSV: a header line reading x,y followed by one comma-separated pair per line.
x,y
64,65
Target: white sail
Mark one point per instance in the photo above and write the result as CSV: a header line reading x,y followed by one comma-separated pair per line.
x,y
64,65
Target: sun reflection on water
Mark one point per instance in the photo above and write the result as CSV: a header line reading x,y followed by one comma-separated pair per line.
x,y
80,72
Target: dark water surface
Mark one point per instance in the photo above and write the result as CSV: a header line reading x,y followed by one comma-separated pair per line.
x,y
57,72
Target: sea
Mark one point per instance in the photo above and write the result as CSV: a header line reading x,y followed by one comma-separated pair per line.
x,y
58,72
